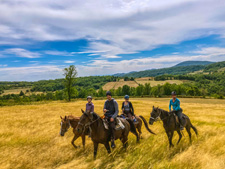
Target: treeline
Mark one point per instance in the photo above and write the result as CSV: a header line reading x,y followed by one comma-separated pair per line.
x,y
94,82
210,84
186,89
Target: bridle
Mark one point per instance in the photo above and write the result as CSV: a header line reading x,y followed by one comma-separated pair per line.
x,y
158,117
89,123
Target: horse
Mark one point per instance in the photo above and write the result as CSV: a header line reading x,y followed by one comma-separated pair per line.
x,y
71,121
170,125
100,135
138,125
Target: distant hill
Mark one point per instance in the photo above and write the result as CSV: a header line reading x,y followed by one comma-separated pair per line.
x,y
215,67
179,69
191,63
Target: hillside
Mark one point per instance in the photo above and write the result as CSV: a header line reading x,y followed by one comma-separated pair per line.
x,y
191,63
172,70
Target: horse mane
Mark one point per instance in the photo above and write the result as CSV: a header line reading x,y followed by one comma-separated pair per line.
x,y
95,115
71,117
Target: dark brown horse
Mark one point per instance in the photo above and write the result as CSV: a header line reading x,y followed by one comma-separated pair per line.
x,y
138,125
71,121
100,135
170,125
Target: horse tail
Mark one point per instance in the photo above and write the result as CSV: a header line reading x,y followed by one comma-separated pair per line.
x,y
133,128
195,129
146,125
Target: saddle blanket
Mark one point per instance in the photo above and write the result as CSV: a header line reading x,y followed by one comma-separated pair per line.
x,y
119,124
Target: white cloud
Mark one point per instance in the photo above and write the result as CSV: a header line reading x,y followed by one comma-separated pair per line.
x,y
59,53
113,26
31,73
69,61
19,52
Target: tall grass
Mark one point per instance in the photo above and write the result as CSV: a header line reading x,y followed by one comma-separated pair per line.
x,y
29,138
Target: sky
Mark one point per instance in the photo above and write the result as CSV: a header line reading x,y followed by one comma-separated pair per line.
x,y
39,38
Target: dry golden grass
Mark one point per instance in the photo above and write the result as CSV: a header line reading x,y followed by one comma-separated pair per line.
x,y
155,83
116,85
29,138
121,83
15,91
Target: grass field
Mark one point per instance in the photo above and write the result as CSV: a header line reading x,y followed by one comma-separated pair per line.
x,y
143,80
29,138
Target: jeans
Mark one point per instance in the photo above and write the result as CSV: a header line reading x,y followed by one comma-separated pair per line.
x,y
179,115
112,126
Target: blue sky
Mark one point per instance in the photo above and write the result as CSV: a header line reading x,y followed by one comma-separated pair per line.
x,y
39,38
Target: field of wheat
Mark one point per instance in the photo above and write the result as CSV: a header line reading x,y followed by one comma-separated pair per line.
x,y
29,138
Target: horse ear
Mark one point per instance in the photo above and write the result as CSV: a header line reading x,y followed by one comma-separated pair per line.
x,y
157,108
65,117
153,107
61,117
82,110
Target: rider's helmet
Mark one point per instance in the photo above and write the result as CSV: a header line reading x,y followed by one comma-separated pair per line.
x,y
108,93
126,97
89,97
173,93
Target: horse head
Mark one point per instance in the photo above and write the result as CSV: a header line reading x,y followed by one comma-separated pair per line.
x,y
154,115
65,125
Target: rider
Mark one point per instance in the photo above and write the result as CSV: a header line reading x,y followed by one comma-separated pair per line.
x,y
90,106
175,102
111,111
127,108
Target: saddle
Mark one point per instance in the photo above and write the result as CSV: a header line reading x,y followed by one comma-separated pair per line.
x,y
124,116
119,124
177,119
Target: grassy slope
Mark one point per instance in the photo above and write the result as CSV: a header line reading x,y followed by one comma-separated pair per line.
x,y
143,81
29,138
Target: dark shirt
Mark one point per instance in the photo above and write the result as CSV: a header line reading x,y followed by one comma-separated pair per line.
x,y
112,107
130,106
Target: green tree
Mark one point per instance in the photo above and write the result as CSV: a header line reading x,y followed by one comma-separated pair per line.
x,y
21,93
126,90
70,78
147,89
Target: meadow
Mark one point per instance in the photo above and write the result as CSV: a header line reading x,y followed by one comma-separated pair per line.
x,y
29,138
137,82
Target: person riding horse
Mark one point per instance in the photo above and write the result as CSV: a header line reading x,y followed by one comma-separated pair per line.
x,y
175,103
127,108
111,111
90,106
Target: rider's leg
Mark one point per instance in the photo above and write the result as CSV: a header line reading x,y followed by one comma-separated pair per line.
x,y
112,132
179,114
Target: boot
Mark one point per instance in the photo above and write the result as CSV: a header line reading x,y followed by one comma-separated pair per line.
x,y
113,144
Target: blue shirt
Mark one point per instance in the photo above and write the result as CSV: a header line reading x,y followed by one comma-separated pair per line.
x,y
175,104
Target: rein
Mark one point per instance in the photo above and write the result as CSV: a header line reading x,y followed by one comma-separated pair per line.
x,y
156,119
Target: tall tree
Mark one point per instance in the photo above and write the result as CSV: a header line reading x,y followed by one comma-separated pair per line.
x,y
70,74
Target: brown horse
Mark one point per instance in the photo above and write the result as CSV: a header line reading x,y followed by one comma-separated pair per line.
x,y
71,121
138,125
170,125
100,135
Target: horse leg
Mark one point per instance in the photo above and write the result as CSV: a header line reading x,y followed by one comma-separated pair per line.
x,y
95,149
139,130
189,132
170,136
107,147
180,136
83,140
73,140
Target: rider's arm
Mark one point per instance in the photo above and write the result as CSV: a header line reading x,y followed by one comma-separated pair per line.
x,y
104,107
170,106
132,109
92,108
116,109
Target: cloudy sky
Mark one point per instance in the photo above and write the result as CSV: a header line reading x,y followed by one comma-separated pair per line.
x,y
38,38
